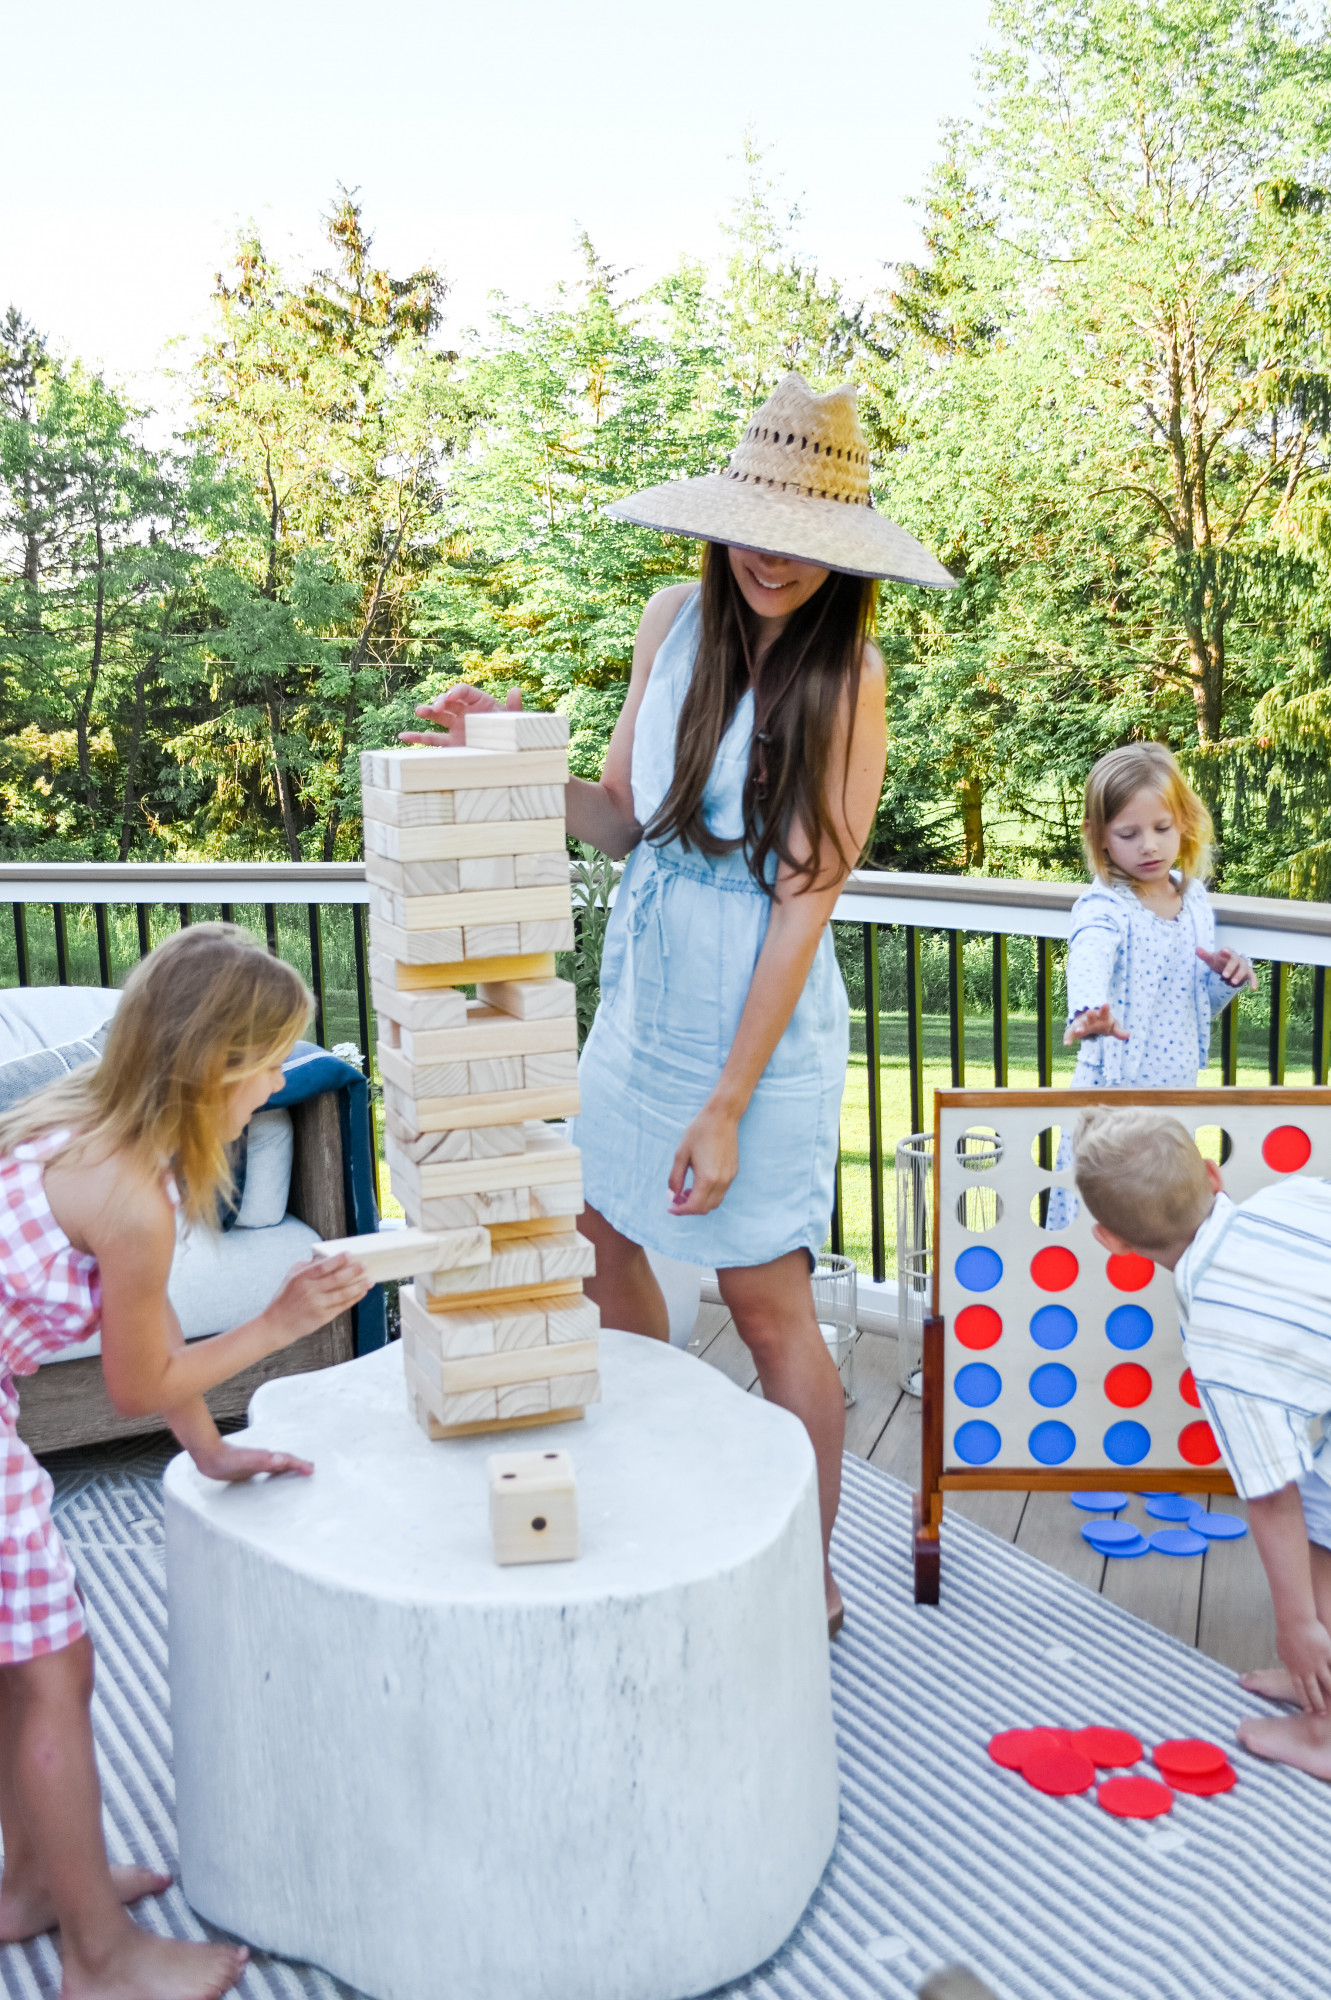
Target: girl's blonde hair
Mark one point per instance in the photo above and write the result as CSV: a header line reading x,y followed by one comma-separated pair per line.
x,y
1144,767
206,1009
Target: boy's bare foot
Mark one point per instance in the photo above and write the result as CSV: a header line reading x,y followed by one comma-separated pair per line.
x,y
1301,1740
26,1910
139,1966
1275,1683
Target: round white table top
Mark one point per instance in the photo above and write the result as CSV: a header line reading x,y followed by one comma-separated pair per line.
x,y
680,1477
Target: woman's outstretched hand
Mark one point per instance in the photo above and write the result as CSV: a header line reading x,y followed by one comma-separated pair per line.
x,y
1233,967
451,709
710,1148
1093,1021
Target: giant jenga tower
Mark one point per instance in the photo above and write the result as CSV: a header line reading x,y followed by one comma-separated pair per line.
x,y
469,879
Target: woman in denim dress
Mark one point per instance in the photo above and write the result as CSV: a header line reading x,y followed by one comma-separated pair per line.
x,y
741,781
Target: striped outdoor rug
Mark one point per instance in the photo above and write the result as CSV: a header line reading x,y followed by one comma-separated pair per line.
x,y
942,1857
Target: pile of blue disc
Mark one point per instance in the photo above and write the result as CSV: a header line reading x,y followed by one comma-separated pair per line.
x,y
1115,1538
1192,1527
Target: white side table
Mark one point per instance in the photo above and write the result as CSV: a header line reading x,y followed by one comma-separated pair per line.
x,y
433,1776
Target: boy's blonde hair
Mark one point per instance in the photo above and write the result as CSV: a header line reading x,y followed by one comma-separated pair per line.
x,y
1117,778
206,1009
1140,1174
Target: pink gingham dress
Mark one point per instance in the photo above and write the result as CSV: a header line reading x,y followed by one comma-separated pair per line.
x,y
50,1297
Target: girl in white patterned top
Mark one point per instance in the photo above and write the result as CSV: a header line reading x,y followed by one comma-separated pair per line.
x,y
1144,977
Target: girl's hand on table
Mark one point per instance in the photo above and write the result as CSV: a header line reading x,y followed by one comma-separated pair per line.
x,y
1232,966
236,1462
451,709
1092,1021
710,1148
313,1294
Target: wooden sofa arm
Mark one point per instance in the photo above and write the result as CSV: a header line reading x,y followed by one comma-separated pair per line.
x,y
66,1405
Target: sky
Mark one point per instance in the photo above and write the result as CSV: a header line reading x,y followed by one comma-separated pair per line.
x,y
483,139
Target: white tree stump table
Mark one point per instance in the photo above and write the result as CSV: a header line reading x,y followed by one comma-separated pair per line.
x,y
610,1779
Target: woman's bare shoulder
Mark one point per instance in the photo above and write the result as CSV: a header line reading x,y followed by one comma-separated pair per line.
x,y
661,610
871,665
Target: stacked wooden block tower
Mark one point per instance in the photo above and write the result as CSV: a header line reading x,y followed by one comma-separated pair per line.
x,y
468,869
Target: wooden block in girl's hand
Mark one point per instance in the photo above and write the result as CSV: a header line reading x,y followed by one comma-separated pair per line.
x,y
516,729
553,902
533,1507
401,1253
531,999
424,769
477,838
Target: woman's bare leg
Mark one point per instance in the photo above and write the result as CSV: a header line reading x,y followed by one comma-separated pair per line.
x,y
772,1306
625,1286
49,1789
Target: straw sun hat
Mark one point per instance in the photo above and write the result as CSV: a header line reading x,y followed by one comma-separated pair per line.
x,y
797,484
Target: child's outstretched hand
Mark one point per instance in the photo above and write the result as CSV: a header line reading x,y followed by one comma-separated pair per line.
x,y
1233,967
451,710
313,1294
1093,1021
237,1461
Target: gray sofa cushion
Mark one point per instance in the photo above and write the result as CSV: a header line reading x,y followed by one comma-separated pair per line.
x,y
23,1074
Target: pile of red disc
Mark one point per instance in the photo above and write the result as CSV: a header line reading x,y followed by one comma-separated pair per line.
x,y
1066,1761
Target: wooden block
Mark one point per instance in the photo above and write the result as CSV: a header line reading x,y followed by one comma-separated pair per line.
x,y
564,1199
429,948
424,768
554,1297
488,871
517,729
488,1032
548,1071
473,907
405,808
497,805
529,870
390,1033
523,1399
508,1424
562,1257
445,1114
456,1211
503,1073
531,999
540,936
463,1142
390,972
417,878
417,1080
533,1507
400,846
517,1331
550,1225
577,1321
517,1262
546,1166
537,802
523,1364
493,940
401,1253
420,1013
470,1407
448,1336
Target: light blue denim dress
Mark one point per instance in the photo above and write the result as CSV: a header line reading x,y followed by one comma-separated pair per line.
x,y
680,952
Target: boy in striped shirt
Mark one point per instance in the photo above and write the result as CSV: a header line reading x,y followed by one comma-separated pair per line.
x,y
1253,1281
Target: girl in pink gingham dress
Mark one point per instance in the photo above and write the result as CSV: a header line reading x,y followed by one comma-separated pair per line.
x,y
89,1176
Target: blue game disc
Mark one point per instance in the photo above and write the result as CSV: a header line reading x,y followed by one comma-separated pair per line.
x,y
1052,1443
976,1442
1219,1527
1052,1385
1053,1326
977,1385
1099,1503
1129,1326
979,1268
1115,1538
1127,1443
1178,1542
1170,1507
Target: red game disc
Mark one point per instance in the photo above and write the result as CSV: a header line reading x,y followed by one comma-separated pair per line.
x,y
1127,1272
1135,1798
1108,1748
1187,1388
1286,1149
1054,1269
977,1326
1188,1757
1127,1385
1010,1746
1207,1783
1053,1769
1196,1443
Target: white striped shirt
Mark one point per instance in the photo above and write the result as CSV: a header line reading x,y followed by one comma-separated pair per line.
x,y
1254,1295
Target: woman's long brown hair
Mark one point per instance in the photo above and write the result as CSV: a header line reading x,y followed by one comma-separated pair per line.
x,y
804,679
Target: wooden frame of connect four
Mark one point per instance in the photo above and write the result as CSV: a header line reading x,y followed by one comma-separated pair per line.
x,y
1047,1363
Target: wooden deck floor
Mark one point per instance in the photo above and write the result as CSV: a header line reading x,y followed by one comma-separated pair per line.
x,y
1217,1602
